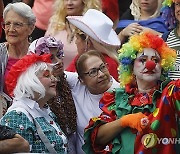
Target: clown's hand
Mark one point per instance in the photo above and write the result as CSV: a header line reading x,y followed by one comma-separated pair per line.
x,y
136,121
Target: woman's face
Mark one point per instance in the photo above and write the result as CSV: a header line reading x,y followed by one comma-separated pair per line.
x,y
100,82
48,81
57,59
149,6
140,70
177,10
16,28
81,44
74,7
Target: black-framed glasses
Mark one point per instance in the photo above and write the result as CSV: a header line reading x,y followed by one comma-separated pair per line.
x,y
16,25
94,71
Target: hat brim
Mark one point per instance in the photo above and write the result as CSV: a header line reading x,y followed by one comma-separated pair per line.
x,y
112,39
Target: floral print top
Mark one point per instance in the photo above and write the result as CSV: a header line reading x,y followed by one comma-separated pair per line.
x,y
21,115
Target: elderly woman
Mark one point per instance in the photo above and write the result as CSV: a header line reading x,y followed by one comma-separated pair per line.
x,y
142,115
62,105
31,83
92,72
18,25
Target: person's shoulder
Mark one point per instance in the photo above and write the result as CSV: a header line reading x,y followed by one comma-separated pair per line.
x,y
165,35
72,78
115,84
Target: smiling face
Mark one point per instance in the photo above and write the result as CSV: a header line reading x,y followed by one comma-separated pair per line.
x,y
140,68
97,84
48,81
17,34
74,7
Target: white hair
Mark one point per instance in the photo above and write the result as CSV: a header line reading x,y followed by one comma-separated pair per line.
x,y
21,9
135,9
28,82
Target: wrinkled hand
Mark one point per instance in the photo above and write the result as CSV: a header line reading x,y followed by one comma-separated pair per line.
x,y
137,121
132,29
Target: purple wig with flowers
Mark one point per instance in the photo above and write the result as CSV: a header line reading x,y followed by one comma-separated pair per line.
x,y
43,45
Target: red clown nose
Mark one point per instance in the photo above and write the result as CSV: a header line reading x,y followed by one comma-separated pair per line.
x,y
150,65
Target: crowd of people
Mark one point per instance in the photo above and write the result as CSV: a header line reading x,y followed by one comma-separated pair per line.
x,y
88,77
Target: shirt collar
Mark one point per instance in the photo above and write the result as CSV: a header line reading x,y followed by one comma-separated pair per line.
x,y
29,102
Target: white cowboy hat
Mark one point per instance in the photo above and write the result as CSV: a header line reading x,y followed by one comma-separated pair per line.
x,y
97,25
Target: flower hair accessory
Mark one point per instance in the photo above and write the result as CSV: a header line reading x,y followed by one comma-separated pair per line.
x,y
169,2
21,66
167,13
135,45
44,44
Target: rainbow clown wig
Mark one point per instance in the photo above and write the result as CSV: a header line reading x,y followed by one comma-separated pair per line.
x,y
135,45
169,2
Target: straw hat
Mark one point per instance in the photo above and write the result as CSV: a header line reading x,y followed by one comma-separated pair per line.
x,y
97,25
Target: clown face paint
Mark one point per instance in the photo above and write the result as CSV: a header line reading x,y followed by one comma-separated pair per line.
x,y
142,72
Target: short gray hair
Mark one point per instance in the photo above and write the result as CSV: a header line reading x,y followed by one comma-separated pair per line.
x,y
21,9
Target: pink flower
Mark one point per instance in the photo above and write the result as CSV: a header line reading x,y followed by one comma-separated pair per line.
x,y
144,121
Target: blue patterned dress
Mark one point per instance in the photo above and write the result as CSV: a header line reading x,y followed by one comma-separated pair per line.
x,y
21,115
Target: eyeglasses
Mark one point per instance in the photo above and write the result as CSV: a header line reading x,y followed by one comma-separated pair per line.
x,y
94,71
16,25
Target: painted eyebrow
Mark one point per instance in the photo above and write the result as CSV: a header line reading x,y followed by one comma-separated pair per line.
x,y
143,54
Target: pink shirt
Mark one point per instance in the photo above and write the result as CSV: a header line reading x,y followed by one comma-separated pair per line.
x,y
43,11
11,61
